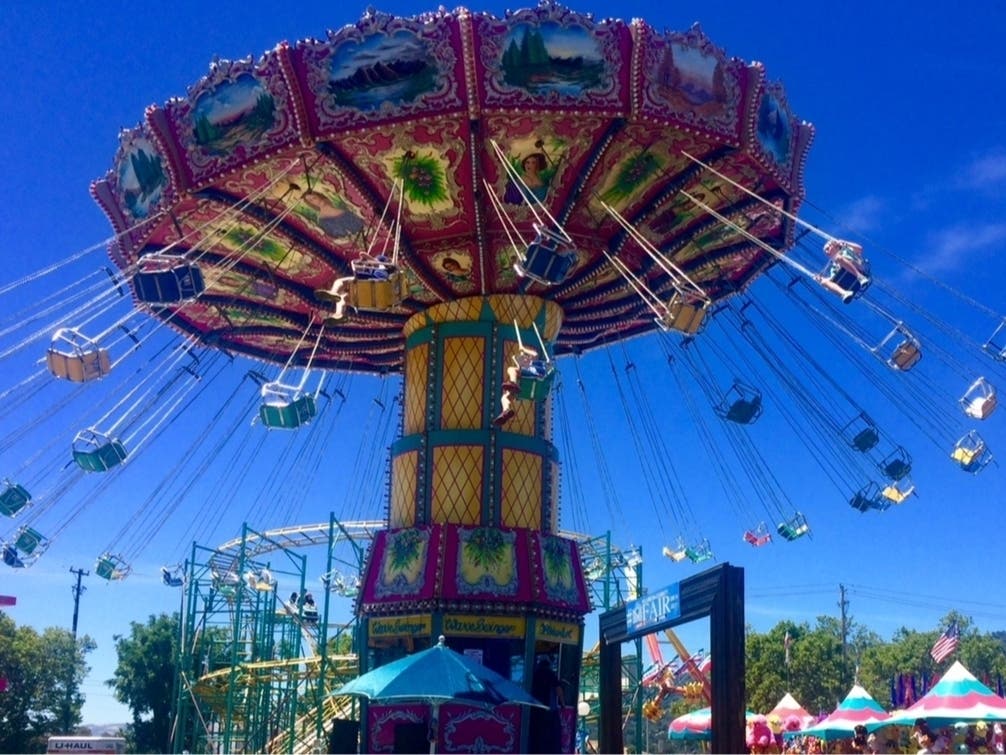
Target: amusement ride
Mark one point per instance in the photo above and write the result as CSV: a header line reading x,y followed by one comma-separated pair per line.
x,y
463,208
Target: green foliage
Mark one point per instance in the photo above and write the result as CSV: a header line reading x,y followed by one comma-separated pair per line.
x,y
144,680
44,674
820,674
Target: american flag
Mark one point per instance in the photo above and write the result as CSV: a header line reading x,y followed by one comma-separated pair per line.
x,y
946,644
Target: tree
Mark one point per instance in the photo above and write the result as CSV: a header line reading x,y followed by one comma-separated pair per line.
x,y
44,673
144,680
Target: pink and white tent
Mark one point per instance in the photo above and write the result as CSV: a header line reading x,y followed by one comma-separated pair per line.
x,y
789,707
957,696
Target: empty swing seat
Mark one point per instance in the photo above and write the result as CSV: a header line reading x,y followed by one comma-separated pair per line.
x,y
898,492
741,404
971,453
96,452
683,317
758,536
700,552
675,555
111,567
869,498
75,357
906,354
290,415
162,279
861,433
11,557
897,464
13,498
980,400
29,540
548,258
794,528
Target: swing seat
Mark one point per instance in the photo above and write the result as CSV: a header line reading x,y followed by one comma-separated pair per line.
x,y
905,356
95,452
75,357
846,280
757,537
79,368
981,407
980,399
28,540
897,464
866,439
683,317
795,528
111,567
378,294
166,280
548,259
298,412
744,411
13,498
741,404
535,387
864,502
699,553
898,494
11,557
675,556
971,453
171,578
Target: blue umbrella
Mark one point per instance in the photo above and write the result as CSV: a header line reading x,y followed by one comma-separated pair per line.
x,y
435,676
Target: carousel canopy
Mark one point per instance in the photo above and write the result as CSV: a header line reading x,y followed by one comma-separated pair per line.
x,y
454,143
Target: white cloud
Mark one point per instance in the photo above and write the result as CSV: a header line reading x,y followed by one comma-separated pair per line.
x,y
954,247
863,215
984,172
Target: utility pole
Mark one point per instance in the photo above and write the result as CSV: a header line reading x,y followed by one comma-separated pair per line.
x,y
78,590
843,604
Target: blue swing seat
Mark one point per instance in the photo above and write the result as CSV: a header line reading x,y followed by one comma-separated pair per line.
x,y
163,279
869,498
548,259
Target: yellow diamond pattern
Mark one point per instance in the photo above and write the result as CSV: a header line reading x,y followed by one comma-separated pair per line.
x,y
456,495
415,388
403,489
463,371
520,501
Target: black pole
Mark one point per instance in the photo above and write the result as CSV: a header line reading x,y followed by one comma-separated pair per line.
x,y
77,590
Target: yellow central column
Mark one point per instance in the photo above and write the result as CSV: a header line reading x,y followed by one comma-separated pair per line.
x,y
452,465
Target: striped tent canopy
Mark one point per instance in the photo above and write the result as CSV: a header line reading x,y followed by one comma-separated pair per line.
x,y
858,707
957,696
788,707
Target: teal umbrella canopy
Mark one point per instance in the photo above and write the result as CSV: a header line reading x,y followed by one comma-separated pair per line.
x,y
857,708
435,676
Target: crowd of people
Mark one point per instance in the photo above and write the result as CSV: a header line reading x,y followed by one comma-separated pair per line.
x,y
979,737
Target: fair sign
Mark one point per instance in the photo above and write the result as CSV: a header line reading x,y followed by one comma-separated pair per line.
x,y
653,609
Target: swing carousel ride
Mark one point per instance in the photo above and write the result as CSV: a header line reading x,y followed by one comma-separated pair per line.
x,y
460,205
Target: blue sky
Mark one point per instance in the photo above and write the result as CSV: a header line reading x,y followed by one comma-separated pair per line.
x,y
908,158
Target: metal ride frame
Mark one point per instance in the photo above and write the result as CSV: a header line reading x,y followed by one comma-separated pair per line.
x,y
250,676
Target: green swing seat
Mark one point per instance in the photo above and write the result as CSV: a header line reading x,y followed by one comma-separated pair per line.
x,y
111,567
298,412
28,540
13,498
535,388
793,529
98,454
